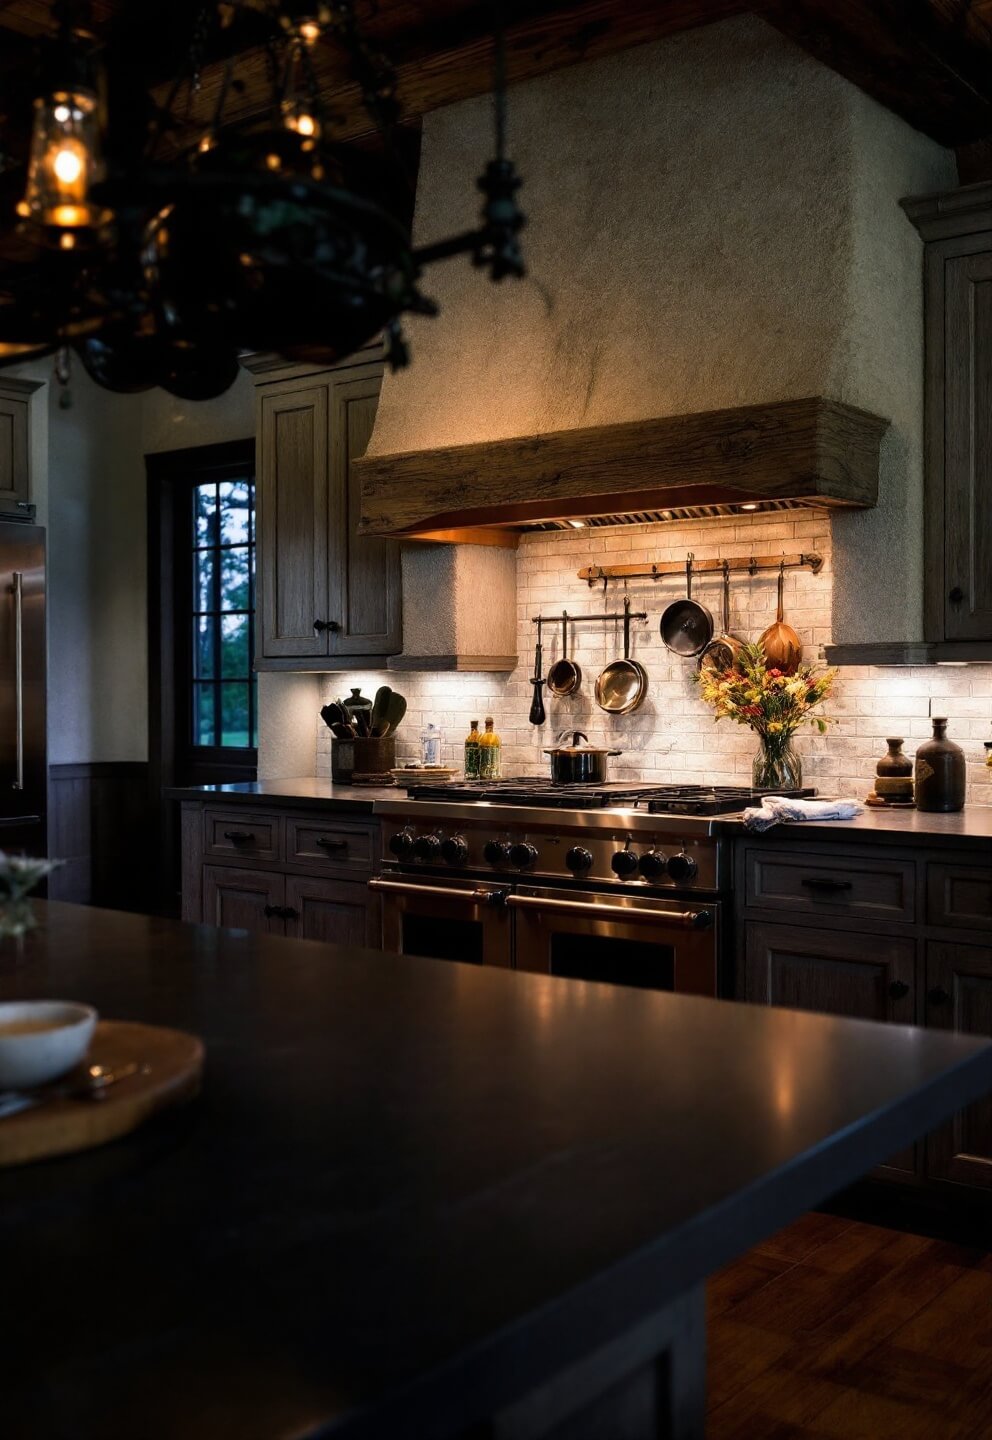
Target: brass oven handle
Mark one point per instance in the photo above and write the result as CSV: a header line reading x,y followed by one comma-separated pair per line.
x,y
684,919
481,894
19,677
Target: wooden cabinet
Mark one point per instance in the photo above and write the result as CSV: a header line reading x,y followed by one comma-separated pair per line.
x,y
957,229
281,872
15,443
959,997
831,971
876,937
241,899
327,596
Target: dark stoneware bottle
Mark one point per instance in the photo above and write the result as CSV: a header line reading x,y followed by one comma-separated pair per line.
x,y
940,772
895,763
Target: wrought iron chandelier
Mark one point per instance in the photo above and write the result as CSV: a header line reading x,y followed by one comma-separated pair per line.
x,y
158,257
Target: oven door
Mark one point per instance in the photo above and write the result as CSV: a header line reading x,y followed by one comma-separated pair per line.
x,y
444,919
623,939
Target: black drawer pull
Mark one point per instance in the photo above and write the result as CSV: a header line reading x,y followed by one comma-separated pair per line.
x,y
239,837
288,913
273,912
327,844
956,595
938,996
898,989
330,625
821,882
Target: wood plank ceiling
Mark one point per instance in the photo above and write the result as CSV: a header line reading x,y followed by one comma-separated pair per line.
x,y
928,60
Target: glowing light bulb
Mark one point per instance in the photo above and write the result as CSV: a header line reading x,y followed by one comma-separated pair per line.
x,y
306,125
67,166
309,32
61,113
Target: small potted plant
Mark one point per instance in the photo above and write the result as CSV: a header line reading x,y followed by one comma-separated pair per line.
x,y
772,704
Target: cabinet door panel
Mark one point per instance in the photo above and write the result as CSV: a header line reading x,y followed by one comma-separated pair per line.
x,y
13,451
292,521
338,912
364,577
239,899
959,896
835,973
968,447
959,997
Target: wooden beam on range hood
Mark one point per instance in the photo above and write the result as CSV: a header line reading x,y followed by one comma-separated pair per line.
x,y
816,451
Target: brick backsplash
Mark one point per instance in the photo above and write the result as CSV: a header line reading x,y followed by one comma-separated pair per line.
x,y
673,736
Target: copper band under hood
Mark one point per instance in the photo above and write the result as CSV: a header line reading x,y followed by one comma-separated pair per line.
x,y
813,451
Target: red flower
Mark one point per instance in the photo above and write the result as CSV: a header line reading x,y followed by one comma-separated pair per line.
x,y
775,673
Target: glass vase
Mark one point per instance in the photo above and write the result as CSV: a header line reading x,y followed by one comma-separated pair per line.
x,y
777,766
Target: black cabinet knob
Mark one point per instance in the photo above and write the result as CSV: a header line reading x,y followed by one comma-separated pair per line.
x,y
578,859
272,912
497,852
682,867
898,989
523,855
239,837
653,865
956,595
331,626
624,863
938,996
454,850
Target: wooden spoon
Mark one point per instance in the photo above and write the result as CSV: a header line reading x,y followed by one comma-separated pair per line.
x,y
782,646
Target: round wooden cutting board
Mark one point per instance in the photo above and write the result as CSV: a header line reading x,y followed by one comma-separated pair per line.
x,y
171,1066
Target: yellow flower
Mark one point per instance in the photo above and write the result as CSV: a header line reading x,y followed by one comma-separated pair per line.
x,y
775,727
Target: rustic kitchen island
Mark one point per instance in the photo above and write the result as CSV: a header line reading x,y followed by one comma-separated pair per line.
x,y
417,1198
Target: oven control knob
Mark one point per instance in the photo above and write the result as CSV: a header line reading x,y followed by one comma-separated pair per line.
x,y
401,844
427,847
682,867
523,855
454,850
497,852
578,859
624,863
653,865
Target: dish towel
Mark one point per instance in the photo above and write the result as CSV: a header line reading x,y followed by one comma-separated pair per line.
x,y
775,808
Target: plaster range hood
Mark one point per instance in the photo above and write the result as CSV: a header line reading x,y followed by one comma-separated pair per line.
x,y
722,312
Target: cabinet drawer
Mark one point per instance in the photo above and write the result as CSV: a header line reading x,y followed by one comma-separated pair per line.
x,y
960,896
334,846
822,886
238,832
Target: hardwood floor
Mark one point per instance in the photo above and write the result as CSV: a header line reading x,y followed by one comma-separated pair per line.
x,y
837,1330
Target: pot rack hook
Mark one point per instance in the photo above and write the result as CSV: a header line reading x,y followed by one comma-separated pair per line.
x,y
688,575
752,568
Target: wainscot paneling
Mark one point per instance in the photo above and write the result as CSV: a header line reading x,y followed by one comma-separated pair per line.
x,y
98,827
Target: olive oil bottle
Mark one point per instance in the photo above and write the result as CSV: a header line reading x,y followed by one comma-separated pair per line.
x,y
489,753
473,752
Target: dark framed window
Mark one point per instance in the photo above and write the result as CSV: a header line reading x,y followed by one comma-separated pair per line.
x,y
221,690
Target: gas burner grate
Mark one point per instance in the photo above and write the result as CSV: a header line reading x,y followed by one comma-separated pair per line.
x,y
657,799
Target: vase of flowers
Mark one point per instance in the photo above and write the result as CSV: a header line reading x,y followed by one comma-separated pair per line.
x,y
772,704
19,874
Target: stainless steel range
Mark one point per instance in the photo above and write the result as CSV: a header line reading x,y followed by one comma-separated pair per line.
x,y
628,884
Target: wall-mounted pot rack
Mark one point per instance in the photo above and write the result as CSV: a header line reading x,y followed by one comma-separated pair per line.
x,y
586,619
750,565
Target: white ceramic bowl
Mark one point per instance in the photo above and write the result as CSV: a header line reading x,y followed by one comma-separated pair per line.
x,y
42,1039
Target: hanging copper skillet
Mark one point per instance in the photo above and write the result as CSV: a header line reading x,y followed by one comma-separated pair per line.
x,y
722,652
686,626
782,646
564,677
622,686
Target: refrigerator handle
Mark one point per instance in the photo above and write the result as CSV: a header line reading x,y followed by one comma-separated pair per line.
x,y
19,676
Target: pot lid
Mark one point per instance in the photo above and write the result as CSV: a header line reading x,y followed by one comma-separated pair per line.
x,y
576,749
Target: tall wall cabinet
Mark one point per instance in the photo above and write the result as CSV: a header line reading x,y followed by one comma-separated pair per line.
x,y
328,598
957,229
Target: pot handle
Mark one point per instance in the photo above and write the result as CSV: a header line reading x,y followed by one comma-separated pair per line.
x,y
614,752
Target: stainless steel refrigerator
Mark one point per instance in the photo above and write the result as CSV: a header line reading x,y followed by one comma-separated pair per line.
x,y
23,759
